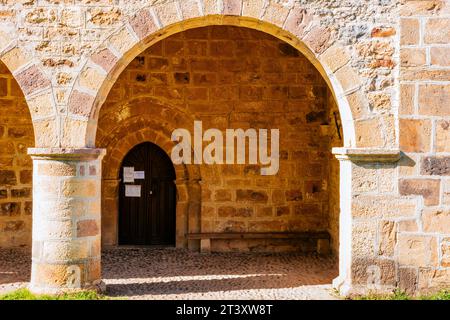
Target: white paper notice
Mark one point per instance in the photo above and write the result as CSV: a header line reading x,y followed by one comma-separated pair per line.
x,y
128,174
139,174
132,190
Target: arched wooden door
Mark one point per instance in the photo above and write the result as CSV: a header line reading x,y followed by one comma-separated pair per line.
x,y
147,198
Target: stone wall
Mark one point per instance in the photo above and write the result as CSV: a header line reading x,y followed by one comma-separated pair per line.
x,y
423,247
232,78
74,52
16,135
386,63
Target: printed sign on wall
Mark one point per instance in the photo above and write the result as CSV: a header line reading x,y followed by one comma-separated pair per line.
x,y
139,174
128,174
133,191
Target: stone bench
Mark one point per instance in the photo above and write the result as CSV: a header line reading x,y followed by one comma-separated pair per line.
x,y
322,237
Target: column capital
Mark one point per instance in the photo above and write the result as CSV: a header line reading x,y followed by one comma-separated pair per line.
x,y
367,154
67,154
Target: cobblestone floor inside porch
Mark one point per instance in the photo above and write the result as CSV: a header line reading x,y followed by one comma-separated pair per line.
x,y
166,273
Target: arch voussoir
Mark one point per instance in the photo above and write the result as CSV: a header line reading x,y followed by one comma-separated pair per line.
x,y
37,90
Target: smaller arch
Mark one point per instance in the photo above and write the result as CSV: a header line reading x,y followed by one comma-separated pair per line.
x,y
150,217
187,180
168,168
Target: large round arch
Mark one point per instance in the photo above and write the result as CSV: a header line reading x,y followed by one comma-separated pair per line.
x,y
296,28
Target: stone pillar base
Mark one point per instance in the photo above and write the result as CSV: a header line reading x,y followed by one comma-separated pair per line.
x,y
66,251
99,288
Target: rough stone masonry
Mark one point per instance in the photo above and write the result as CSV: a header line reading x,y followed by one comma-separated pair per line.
x,y
81,76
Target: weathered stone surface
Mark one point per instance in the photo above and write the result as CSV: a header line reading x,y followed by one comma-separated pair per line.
x,y
14,59
387,238
410,33
428,188
413,57
234,212
91,79
408,225
417,250
14,226
222,195
143,24
297,21
10,209
123,40
104,17
57,169
251,195
32,79
437,31
87,228
7,177
26,176
434,100
431,280
369,133
436,220
232,7
21,193
80,103
445,250
415,135
81,188
105,58
382,32
439,166
376,272
442,140
41,105
408,279
421,7
440,56
335,57
407,98
318,39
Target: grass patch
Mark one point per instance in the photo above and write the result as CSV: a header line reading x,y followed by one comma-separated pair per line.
x,y
25,294
400,295
441,295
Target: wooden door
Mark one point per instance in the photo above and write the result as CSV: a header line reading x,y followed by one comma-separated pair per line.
x,y
147,219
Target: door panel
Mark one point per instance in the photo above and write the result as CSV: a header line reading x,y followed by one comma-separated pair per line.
x,y
150,218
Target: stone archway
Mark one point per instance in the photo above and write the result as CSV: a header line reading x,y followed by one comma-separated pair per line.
x,y
151,24
140,99
331,61
187,179
142,119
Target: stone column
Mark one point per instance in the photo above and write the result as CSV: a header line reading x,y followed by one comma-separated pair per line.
x,y
351,258
66,220
181,219
194,212
110,211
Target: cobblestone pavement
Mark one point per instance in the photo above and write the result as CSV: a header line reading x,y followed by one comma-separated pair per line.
x,y
149,273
